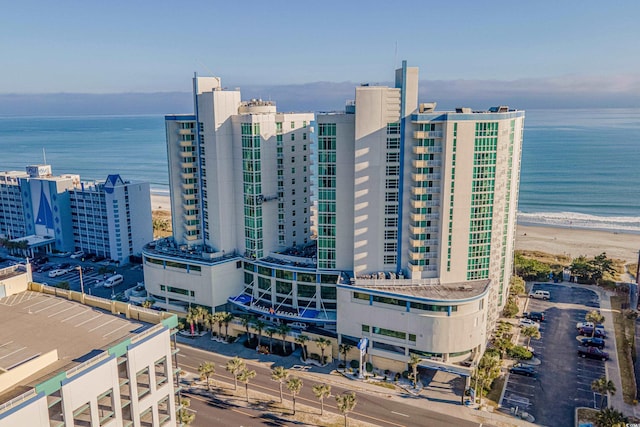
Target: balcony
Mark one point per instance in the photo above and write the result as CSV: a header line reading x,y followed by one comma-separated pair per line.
x,y
188,196
422,255
186,143
189,186
190,227
420,163
417,243
422,134
184,154
418,217
417,204
187,164
185,131
190,217
189,175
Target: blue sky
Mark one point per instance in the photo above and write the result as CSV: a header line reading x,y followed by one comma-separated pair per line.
x,y
155,46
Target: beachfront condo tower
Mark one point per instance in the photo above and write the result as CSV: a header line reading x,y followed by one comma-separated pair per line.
x,y
414,218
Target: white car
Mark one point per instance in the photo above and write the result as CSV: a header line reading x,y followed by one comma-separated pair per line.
x,y
528,322
298,325
57,272
78,254
581,325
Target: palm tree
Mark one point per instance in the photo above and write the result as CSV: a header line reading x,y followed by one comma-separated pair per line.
x,y
610,417
294,385
283,330
219,320
259,325
531,332
603,387
594,317
271,332
279,374
245,376
414,361
226,319
346,402
191,320
209,321
302,339
185,416
201,315
344,349
321,391
206,371
322,344
235,366
246,322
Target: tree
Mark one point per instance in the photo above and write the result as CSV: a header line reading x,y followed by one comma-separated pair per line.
x,y
601,266
192,318
201,314
280,374
294,385
487,370
245,376
259,325
321,391
595,317
322,344
210,321
517,286
219,319
344,349
147,303
185,415
302,339
610,417
346,402
603,387
246,320
271,332
226,319
414,361
234,367
511,307
206,371
531,332
283,330
63,285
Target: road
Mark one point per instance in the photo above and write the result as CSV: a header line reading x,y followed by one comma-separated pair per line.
x,y
379,410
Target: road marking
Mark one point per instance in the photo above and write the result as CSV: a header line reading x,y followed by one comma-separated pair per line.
x,y
104,324
49,306
61,311
88,320
399,413
13,352
115,330
75,315
7,343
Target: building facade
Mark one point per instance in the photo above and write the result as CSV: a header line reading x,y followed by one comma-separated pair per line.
x,y
415,218
60,212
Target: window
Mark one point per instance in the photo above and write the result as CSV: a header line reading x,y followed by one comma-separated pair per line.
x,y
160,368
293,136
143,383
293,125
106,406
82,416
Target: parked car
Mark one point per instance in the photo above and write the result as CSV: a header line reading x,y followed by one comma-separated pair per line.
x,y
593,353
592,342
538,316
44,268
298,325
113,281
588,332
522,369
580,325
57,272
64,266
77,254
528,322
545,295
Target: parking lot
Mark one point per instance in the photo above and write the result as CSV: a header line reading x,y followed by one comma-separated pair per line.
x,y
564,379
93,276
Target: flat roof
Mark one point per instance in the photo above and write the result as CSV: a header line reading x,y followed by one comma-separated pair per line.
x,y
434,292
34,324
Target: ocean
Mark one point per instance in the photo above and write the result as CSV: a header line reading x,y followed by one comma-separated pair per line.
x,y
580,168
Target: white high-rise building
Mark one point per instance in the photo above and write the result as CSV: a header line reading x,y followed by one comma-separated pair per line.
x,y
415,217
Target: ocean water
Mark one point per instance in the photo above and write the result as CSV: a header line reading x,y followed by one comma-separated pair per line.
x,y
580,168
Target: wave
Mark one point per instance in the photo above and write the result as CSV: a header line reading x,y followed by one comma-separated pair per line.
x,y
625,224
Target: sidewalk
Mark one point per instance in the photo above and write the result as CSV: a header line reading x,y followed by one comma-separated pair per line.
x,y
329,374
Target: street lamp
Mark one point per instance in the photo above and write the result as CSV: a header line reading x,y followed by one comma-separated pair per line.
x,y
79,268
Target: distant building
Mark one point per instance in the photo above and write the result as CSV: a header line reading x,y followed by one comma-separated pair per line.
x,y
110,219
108,370
416,213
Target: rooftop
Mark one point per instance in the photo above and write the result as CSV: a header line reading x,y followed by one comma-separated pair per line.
x,y
430,291
34,324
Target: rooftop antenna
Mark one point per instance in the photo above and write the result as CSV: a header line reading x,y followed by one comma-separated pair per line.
x,y
44,156
206,68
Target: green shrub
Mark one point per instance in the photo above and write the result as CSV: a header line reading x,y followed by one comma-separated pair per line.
x,y
510,308
355,364
405,375
368,367
519,352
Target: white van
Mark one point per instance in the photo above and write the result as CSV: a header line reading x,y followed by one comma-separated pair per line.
x,y
545,295
113,281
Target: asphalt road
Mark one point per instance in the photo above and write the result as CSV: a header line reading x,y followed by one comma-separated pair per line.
x,y
564,379
371,408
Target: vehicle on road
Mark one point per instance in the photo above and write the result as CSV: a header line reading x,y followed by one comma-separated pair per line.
x,y
593,353
113,281
588,332
544,295
537,316
528,322
57,272
77,254
522,369
592,342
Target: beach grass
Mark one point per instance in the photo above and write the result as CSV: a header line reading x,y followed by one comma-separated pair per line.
x,y
625,334
161,223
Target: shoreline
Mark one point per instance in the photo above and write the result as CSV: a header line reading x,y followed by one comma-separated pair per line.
x,y
551,238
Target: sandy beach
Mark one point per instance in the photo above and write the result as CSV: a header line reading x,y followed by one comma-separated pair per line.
x,y
555,240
